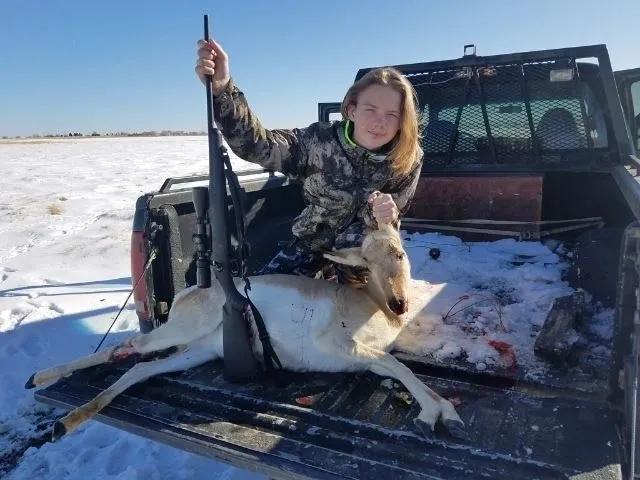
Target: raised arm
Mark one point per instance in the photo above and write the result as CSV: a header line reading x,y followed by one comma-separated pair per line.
x,y
281,150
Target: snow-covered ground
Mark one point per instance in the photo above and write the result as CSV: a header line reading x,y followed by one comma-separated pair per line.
x,y
65,218
65,224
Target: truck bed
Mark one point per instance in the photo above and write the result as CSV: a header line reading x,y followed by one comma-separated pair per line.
x,y
554,424
357,425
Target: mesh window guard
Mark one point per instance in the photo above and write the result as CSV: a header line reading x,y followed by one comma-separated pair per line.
x,y
518,113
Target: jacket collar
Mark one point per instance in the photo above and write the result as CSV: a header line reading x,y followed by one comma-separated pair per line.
x,y
345,131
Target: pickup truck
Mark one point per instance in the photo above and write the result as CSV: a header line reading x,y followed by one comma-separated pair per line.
x,y
534,147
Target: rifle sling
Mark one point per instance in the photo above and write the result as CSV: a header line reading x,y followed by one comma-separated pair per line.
x,y
243,252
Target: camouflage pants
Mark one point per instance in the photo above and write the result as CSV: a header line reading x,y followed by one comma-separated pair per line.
x,y
294,260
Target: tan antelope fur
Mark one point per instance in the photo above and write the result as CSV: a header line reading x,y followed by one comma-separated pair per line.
x,y
314,325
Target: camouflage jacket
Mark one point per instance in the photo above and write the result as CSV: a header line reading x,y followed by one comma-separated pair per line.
x,y
336,175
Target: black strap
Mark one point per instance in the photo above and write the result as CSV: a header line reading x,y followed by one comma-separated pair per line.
x,y
267,349
237,198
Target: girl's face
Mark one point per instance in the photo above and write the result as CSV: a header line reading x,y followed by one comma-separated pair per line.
x,y
376,116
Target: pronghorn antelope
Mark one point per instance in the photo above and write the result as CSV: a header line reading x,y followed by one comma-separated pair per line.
x,y
314,325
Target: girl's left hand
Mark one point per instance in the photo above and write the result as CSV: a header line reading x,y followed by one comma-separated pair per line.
x,y
384,208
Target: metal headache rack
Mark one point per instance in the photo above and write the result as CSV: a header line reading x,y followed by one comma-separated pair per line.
x,y
523,109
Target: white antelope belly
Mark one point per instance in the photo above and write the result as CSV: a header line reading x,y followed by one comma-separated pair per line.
x,y
303,326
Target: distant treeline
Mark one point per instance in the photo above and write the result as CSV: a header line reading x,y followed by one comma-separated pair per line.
x,y
164,133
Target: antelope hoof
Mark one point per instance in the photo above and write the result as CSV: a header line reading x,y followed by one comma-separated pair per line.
x,y
457,429
425,428
59,431
31,382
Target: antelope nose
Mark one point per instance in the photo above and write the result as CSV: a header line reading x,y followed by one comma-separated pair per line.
x,y
398,305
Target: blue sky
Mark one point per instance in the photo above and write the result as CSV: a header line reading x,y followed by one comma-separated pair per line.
x,y
129,65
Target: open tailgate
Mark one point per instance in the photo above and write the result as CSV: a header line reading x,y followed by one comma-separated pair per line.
x,y
355,425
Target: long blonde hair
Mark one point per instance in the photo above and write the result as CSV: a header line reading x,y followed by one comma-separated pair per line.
x,y
406,150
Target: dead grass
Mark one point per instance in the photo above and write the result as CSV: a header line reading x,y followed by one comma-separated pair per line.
x,y
35,141
54,210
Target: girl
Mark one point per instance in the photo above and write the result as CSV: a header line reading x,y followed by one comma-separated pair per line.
x,y
355,173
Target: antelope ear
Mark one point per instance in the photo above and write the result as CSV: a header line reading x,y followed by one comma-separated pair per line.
x,y
347,256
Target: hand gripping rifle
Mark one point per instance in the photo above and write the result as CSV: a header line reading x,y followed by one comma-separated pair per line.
x,y
213,247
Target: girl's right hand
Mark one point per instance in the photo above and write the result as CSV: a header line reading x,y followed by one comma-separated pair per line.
x,y
213,60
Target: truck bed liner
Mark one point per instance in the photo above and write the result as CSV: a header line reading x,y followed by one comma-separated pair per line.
x,y
354,425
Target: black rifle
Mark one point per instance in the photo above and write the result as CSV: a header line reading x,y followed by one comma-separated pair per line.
x,y
213,247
